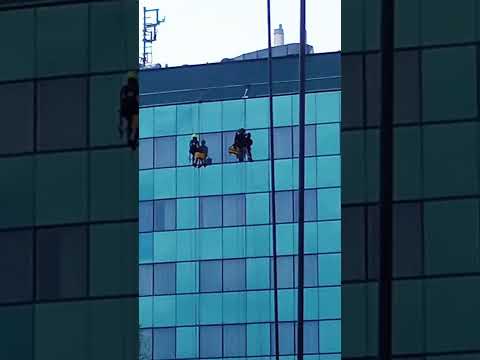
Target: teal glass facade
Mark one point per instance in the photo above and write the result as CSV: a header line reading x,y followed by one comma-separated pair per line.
x,y
205,234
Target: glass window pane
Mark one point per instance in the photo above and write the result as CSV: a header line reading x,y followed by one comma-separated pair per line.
x,y
330,336
145,216
284,206
258,339
233,115
164,343
210,116
62,114
210,341
282,110
311,270
187,213
145,282
328,106
165,215
62,52
234,275
285,272
164,186
146,344
165,151
328,139
165,279
450,170
187,342
328,171
310,204
57,278
310,337
165,118
329,269
257,114
214,144
16,257
210,211
460,19
283,142
228,139
258,276
187,119
210,276
16,101
407,87
146,248
19,64
449,95
234,210
287,338
234,340
258,206
261,144
310,140
145,154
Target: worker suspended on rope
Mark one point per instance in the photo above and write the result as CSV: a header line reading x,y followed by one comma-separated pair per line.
x,y
241,145
193,147
129,109
201,155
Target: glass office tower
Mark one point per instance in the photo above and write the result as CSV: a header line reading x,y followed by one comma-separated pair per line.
x,y
436,259
68,185
205,234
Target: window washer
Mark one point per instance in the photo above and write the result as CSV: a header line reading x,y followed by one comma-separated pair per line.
x,y
201,156
249,143
129,109
239,145
194,146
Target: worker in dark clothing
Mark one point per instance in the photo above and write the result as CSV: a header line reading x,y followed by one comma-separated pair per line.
x,y
194,146
129,104
240,143
249,143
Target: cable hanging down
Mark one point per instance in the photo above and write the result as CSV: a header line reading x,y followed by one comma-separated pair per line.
x,y
272,179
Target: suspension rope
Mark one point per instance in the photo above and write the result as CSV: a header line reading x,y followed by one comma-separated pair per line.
x,y
301,180
272,180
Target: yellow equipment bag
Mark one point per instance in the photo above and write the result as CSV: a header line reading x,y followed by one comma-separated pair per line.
x,y
233,150
200,155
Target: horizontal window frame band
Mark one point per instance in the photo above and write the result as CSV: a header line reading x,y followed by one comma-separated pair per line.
x,y
235,162
236,291
237,258
68,76
63,225
414,200
220,324
417,278
35,4
249,129
411,48
234,226
82,299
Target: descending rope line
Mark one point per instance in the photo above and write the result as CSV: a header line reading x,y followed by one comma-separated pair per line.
x,y
272,179
301,179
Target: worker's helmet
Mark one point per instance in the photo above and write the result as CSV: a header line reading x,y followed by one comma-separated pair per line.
x,y
194,136
241,131
132,75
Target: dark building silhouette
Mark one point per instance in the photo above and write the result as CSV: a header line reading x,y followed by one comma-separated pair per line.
x,y
68,185
431,60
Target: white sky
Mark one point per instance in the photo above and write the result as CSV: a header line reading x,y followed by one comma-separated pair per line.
x,y
201,31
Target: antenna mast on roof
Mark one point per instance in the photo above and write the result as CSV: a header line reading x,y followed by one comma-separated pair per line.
x,y
151,20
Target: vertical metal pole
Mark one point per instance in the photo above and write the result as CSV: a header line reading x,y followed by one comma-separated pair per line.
x,y
272,178
386,183
144,36
301,178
